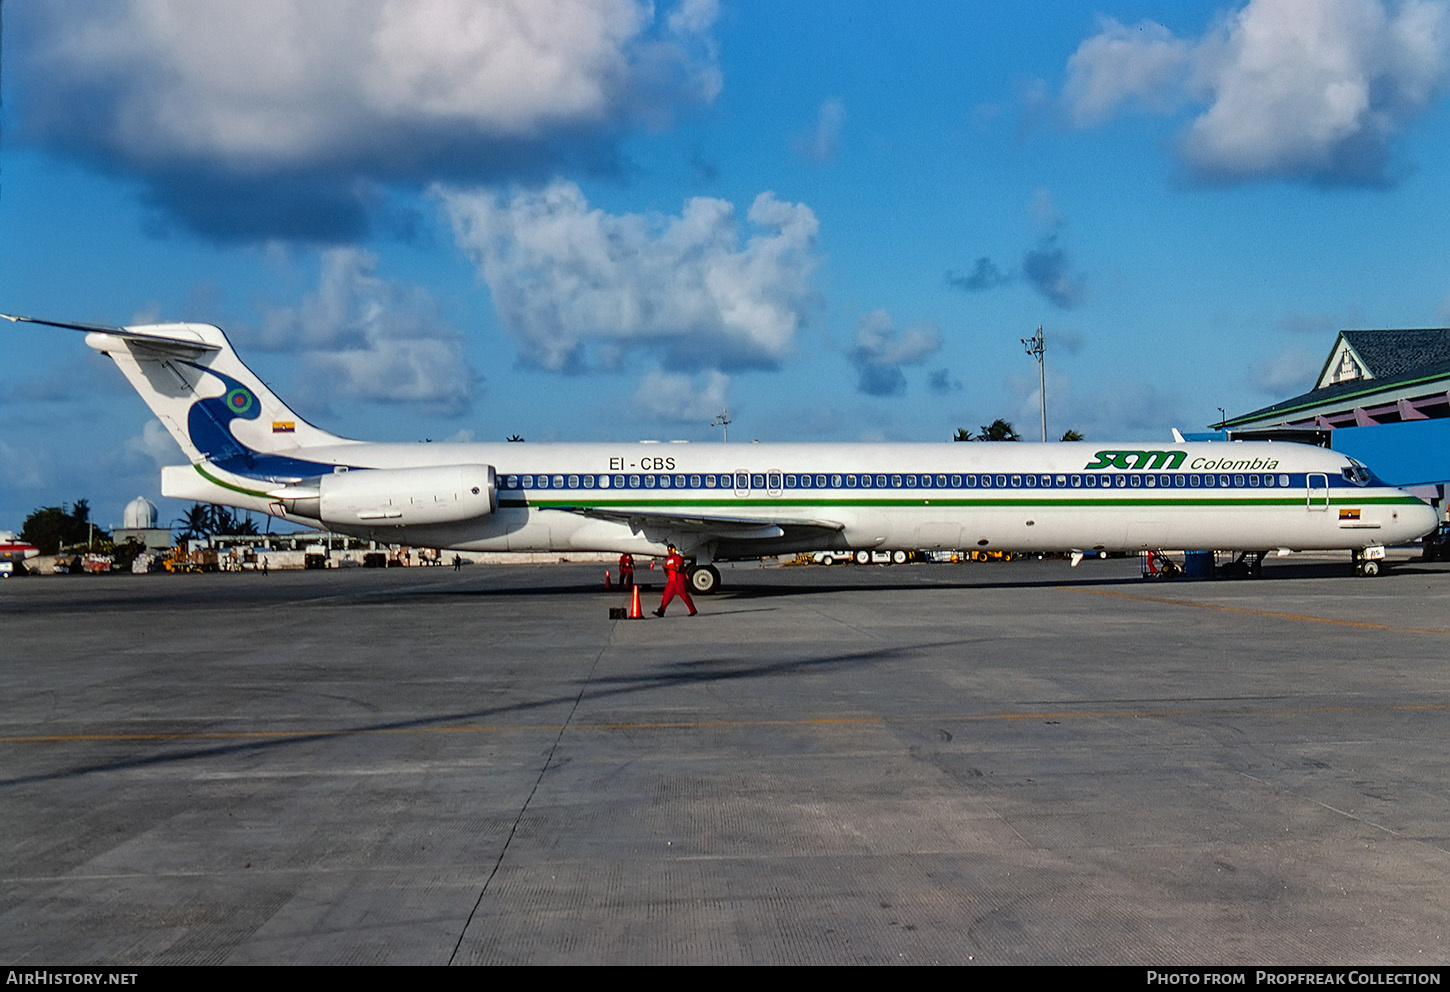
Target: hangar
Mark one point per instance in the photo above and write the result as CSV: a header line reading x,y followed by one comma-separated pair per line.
x,y
1382,396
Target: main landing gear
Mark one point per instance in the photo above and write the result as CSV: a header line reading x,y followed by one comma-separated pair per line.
x,y
1248,565
704,579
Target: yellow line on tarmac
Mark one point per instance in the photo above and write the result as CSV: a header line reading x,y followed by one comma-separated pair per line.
x,y
1259,613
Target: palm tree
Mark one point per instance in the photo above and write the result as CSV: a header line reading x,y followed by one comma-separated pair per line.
x,y
197,522
224,521
999,430
221,520
1072,436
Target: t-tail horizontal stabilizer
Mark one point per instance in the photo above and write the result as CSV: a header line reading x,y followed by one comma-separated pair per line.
x,y
215,407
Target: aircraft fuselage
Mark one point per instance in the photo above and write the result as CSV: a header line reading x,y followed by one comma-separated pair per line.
x,y
1021,497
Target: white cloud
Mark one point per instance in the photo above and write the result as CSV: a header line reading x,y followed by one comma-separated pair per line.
x,y
694,16
1120,64
1043,208
154,443
372,338
579,288
876,339
880,351
424,371
1303,89
1288,373
1046,268
278,81
942,381
1130,409
822,140
678,398
510,68
214,102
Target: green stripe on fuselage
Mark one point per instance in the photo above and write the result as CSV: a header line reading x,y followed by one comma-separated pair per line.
x,y
887,502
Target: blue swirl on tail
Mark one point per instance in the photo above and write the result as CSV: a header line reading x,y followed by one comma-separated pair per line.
x,y
208,423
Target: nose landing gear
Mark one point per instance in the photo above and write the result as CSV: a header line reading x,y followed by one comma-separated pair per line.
x,y
1369,562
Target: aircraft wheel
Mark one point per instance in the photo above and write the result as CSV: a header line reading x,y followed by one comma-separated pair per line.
x,y
705,580
898,557
1370,569
863,557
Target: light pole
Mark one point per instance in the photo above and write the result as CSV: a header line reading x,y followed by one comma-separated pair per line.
x,y
722,420
1035,348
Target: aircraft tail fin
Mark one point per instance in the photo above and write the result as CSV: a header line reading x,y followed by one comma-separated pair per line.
x,y
216,408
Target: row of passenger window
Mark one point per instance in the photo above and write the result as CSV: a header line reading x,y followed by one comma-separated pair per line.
x,y
774,481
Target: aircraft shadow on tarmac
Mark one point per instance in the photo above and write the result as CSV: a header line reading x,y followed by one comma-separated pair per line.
x,y
758,587
671,675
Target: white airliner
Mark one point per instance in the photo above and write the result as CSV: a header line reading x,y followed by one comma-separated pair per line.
x,y
13,549
721,502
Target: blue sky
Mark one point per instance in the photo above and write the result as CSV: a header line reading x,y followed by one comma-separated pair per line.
x,y
608,220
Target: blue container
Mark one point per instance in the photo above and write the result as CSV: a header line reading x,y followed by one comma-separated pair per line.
x,y
1198,564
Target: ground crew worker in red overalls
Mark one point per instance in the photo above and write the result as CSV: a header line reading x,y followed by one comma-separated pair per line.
x,y
675,584
626,570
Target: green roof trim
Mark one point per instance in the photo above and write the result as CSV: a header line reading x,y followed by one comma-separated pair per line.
x,y
1337,399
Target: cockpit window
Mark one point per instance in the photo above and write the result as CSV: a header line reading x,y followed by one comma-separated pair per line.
x,y
1356,473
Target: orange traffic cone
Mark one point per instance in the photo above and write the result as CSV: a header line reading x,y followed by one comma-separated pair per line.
x,y
635,613
607,583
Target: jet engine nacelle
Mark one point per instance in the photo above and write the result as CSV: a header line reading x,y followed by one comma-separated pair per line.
x,y
396,497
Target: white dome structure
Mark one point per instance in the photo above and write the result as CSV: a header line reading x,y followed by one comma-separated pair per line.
x,y
140,514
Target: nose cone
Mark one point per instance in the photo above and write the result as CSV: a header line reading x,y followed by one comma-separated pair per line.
x,y
1415,521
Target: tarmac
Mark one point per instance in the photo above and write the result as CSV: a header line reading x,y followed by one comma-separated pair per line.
x,y
995,763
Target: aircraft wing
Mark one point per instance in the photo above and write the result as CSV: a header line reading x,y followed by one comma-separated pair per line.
x,y
735,528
